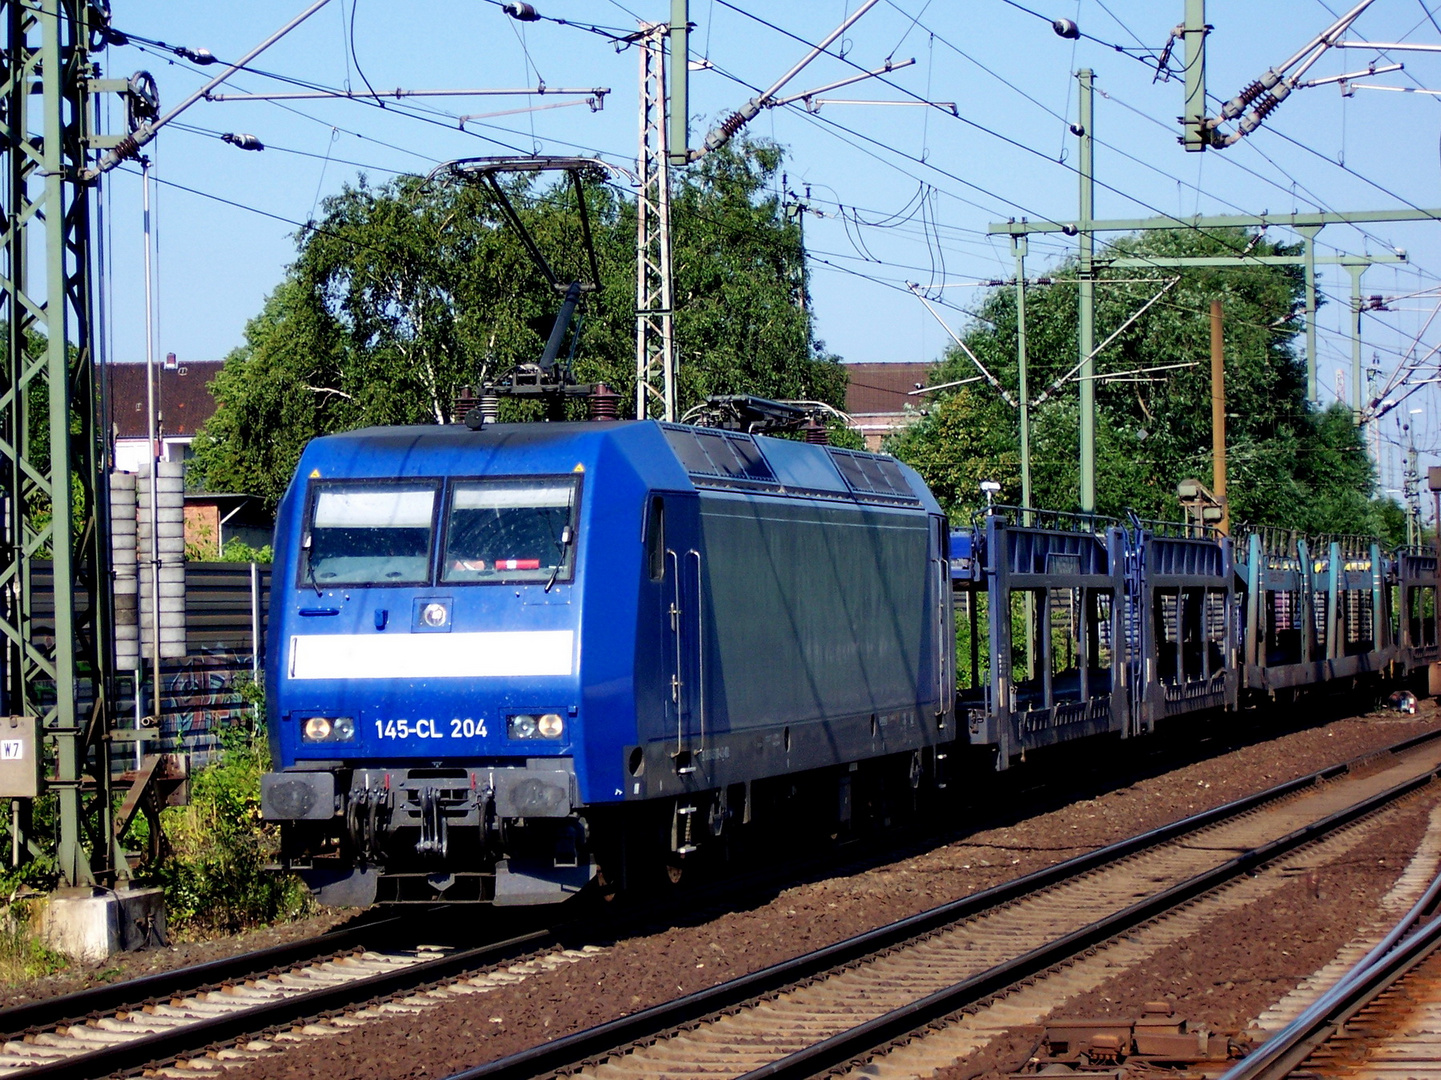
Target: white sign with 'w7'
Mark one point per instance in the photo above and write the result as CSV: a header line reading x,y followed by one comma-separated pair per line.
x,y
12,749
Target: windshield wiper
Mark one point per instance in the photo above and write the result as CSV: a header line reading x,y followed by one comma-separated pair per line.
x,y
561,545
564,541
310,568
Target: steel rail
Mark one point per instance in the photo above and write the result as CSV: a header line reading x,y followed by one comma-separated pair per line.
x,y
48,1013
167,1045
864,1038
1383,967
606,1038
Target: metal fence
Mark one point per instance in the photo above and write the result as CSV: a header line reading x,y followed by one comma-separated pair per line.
x,y
225,606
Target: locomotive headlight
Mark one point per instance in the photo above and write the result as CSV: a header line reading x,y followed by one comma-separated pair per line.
x,y
328,729
433,615
527,726
317,729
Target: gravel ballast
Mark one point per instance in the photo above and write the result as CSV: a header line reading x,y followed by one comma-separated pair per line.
x,y
647,969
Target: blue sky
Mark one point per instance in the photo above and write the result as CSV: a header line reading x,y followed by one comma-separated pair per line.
x,y
903,193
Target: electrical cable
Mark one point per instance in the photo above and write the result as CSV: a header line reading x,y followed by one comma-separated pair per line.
x,y
354,4
1319,203
344,51
328,158
1080,33
320,181
1119,22
742,82
1116,149
1063,119
628,11
1383,53
1429,15
930,226
1181,223
401,109
909,28
857,218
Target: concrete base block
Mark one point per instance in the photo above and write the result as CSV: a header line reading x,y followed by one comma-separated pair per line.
x,y
90,924
1433,680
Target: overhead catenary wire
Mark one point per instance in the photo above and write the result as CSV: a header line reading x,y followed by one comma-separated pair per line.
x,y
1041,217
350,239
1064,120
141,136
953,196
929,228
1101,142
933,225
365,100
406,108
1181,223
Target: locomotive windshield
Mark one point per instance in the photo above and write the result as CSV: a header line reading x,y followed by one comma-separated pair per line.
x,y
370,534
510,530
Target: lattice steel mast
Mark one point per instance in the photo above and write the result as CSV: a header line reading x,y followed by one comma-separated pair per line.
x,y
55,504
655,357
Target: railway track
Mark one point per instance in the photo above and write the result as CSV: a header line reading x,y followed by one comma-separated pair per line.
x,y
252,1005
47,1013
1381,1019
123,1027
1397,1034
842,1003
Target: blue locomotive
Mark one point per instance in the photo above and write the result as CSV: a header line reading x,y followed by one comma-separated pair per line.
x,y
504,660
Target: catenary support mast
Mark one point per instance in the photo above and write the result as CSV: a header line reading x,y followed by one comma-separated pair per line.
x,y
655,357
55,504
1085,272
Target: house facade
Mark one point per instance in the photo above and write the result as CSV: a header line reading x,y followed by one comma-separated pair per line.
x,y
881,398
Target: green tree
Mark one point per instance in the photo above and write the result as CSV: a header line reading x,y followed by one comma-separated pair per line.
x,y
743,322
405,293
275,395
1287,462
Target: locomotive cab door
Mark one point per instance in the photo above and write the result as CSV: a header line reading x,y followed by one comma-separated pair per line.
x,y
940,604
673,552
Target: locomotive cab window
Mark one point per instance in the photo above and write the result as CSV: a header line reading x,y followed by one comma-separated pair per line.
x,y
655,538
513,530
369,534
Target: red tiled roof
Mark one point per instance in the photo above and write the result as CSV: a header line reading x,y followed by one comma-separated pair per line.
x,y
183,397
185,401
883,388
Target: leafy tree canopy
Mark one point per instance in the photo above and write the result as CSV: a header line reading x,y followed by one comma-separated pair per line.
x,y
1288,464
405,293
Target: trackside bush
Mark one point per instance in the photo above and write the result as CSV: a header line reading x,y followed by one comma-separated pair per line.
x,y
23,955
215,879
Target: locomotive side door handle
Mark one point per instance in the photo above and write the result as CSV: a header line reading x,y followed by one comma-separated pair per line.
x,y
942,584
675,628
699,643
